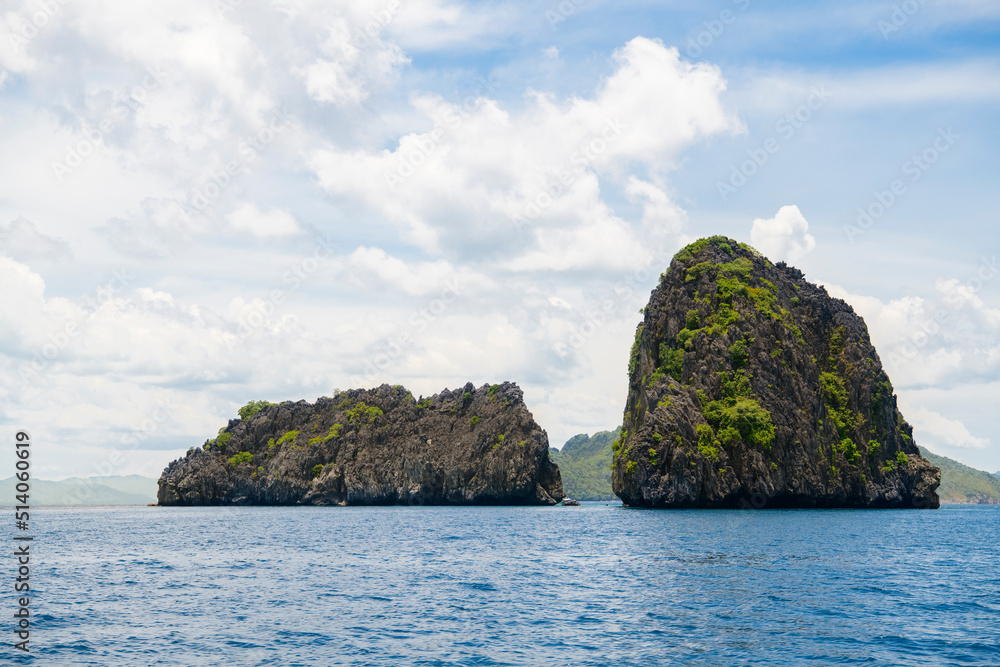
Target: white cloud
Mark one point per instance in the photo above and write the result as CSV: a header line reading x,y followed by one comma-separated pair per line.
x,y
659,212
373,266
785,237
931,428
349,68
528,184
779,92
946,338
21,240
274,222
442,24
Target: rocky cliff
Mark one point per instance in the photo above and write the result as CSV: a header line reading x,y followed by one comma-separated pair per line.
x,y
368,447
751,387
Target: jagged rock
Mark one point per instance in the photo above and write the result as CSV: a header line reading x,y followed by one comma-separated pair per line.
x,y
378,446
751,387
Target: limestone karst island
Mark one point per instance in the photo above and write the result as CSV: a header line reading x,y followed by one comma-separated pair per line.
x,y
748,387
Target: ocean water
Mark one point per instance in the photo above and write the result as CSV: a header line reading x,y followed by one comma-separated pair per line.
x,y
594,585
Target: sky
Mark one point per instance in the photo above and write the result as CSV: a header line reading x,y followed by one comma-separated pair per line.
x,y
208,202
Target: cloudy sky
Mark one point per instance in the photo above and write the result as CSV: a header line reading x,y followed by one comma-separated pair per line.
x,y
205,202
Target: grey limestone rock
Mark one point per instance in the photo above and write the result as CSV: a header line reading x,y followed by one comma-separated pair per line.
x,y
375,447
751,387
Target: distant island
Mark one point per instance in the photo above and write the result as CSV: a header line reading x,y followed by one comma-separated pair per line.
x,y
750,386
100,490
964,485
585,464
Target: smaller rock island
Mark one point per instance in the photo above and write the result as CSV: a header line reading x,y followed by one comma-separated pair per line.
x,y
374,447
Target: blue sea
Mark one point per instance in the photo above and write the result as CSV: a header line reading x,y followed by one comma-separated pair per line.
x,y
595,585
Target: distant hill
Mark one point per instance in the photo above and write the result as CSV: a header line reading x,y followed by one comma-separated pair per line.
x,y
110,490
997,474
585,465
962,484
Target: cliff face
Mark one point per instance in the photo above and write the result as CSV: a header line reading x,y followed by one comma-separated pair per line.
x,y
379,446
751,387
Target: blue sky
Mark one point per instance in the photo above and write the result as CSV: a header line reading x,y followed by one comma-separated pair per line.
x,y
392,210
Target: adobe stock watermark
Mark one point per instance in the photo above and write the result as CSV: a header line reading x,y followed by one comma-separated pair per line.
x,y
293,278
561,11
391,349
713,29
899,17
219,180
59,340
927,330
565,175
366,35
913,168
786,127
77,152
426,144
631,286
39,20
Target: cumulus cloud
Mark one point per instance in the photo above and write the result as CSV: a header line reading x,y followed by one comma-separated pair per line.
x,y
156,230
375,267
931,428
349,65
947,338
273,222
785,237
21,240
485,180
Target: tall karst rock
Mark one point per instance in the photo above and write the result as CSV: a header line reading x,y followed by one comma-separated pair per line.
x,y
751,387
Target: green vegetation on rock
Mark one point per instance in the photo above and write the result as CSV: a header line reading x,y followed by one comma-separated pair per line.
x,y
633,357
737,414
363,414
289,436
242,457
334,432
707,442
252,408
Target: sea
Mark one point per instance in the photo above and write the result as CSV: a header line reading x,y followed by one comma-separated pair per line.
x,y
596,585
